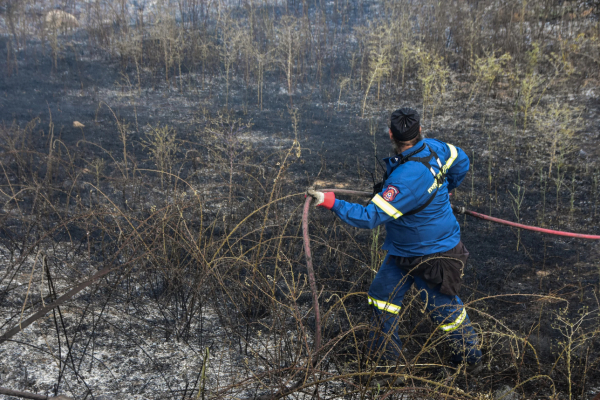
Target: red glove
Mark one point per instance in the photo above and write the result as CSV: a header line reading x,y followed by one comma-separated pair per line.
x,y
322,199
328,201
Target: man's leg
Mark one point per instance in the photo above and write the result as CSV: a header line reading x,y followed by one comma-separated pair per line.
x,y
451,316
385,296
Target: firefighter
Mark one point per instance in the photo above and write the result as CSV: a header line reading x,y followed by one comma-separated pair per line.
x,y
422,241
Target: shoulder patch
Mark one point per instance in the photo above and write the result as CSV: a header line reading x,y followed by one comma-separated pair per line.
x,y
390,193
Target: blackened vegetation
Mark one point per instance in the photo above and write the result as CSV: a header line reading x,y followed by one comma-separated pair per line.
x,y
205,121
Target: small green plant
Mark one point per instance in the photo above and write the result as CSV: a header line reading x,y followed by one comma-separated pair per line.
x,y
229,36
373,132
376,256
287,49
595,186
433,74
558,181
379,48
557,125
55,46
577,332
263,60
406,50
205,361
472,176
572,200
517,203
486,69
161,142
490,163
343,83
529,90
168,35
225,133
97,166
295,121
543,191
533,58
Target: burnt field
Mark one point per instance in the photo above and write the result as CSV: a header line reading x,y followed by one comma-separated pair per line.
x,y
169,144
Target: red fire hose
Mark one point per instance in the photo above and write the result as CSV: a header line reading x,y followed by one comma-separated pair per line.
x,y
463,210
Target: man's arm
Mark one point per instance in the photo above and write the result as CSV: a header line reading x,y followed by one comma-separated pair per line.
x,y
458,170
359,216
384,207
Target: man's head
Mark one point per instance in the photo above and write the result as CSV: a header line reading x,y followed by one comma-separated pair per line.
x,y
405,129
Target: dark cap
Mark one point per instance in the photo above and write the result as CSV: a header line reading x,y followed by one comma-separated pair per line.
x,y
405,124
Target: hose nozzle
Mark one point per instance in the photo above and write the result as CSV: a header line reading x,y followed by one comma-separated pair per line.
x,y
459,209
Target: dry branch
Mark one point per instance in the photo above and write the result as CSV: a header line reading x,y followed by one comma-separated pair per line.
x,y
28,395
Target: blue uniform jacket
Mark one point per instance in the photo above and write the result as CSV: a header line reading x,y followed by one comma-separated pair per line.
x,y
408,186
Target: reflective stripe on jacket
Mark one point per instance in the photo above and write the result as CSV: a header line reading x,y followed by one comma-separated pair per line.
x,y
408,186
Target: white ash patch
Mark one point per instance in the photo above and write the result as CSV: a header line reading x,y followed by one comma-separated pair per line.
x,y
128,354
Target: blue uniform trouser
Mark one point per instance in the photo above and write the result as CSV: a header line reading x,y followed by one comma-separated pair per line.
x,y
386,294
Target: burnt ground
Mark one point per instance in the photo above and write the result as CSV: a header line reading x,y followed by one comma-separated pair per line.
x,y
337,149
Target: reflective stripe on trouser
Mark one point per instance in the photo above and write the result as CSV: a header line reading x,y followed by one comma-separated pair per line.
x,y
457,322
448,312
394,309
384,305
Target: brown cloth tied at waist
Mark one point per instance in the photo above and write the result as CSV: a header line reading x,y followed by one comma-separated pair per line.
x,y
440,268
